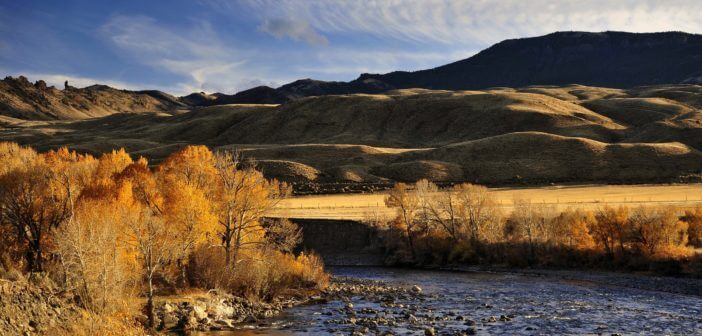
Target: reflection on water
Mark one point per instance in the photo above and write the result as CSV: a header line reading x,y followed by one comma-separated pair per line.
x,y
530,305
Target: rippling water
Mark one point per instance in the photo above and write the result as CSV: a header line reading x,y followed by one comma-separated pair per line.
x,y
534,305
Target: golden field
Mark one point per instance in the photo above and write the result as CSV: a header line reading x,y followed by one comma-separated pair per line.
x,y
361,206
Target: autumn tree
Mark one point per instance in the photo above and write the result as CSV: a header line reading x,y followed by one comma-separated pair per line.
x,y
244,197
147,232
693,218
426,193
528,222
610,228
194,165
94,258
478,209
407,205
571,229
282,234
185,179
40,196
108,166
13,156
654,228
444,213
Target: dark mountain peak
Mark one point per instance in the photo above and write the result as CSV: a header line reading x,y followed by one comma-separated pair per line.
x,y
198,99
257,95
163,97
99,87
608,59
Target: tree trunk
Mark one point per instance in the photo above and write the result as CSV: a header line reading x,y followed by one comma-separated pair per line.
x,y
150,303
34,257
237,244
183,273
227,251
228,240
531,244
410,242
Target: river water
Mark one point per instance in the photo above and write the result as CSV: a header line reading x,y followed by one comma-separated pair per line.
x,y
454,303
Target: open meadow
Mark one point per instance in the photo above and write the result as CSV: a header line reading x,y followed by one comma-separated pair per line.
x,y
363,206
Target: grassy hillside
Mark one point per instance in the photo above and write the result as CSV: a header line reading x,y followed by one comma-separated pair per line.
x,y
536,134
36,101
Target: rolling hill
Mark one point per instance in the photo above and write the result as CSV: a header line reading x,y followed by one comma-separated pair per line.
x,y
36,101
635,117
536,134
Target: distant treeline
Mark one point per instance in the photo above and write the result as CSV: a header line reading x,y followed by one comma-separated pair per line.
x,y
463,224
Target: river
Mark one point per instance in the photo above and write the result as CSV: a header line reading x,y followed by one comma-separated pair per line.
x,y
454,303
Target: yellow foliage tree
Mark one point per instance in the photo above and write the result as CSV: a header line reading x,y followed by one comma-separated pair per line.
x,y
244,197
407,205
655,228
610,228
571,229
142,209
95,261
694,230
40,196
186,178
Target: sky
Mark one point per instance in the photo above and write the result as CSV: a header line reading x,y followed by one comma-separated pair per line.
x,y
180,46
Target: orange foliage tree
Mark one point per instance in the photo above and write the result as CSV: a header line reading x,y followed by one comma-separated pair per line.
x,y
656,228
244,197
694,230
407,205
39,196
610,228
571,229
185,178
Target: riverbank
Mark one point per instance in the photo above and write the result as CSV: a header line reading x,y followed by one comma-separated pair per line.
x,y
215,311
382,300
361,300
397,301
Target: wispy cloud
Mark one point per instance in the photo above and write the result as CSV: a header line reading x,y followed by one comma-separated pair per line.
x,y
482,21
195,53
228,46
294,29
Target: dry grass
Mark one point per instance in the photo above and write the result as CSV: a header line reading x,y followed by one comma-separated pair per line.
x,y
361,206
537,134
25,100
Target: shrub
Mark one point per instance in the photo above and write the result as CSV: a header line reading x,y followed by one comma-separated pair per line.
x,y
259,274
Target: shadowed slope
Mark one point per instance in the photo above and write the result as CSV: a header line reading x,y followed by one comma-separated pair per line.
x,y
540,157
502,135
418,119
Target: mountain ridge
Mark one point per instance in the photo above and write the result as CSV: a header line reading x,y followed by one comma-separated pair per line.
x,y
604,59
607,59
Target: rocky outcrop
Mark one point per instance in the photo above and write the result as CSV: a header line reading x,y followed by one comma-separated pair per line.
x,y
22,99
216,311
28,309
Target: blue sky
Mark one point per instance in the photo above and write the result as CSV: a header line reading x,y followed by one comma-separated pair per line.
x,y
227,46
